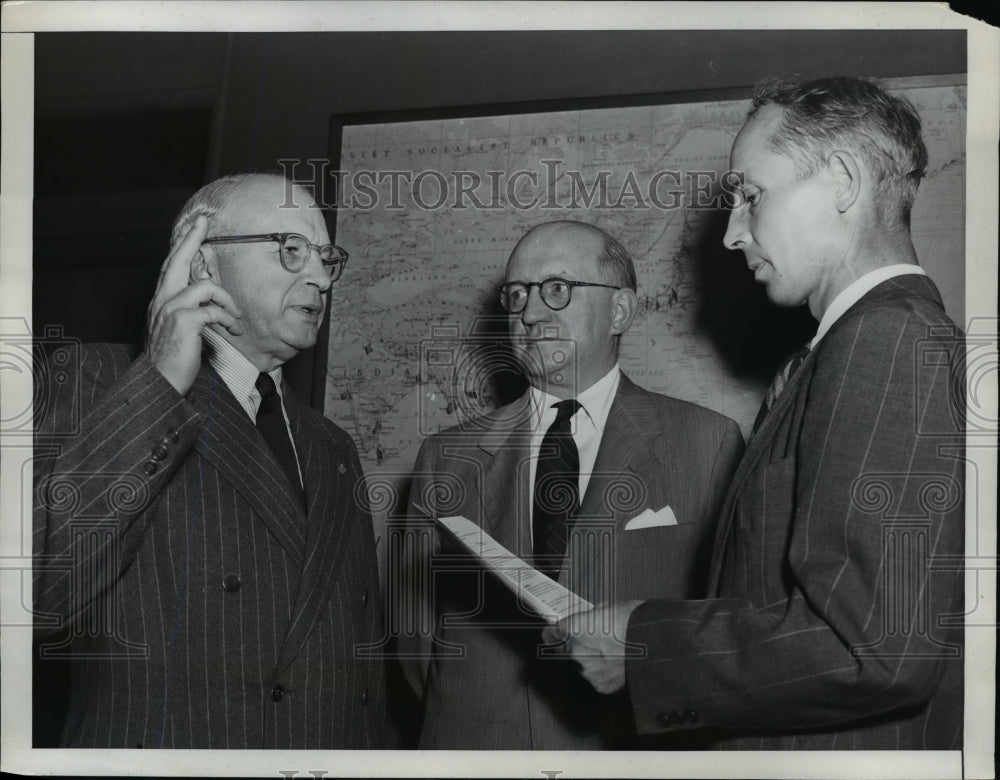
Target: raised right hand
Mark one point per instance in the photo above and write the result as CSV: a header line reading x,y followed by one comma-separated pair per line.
x,y
180,310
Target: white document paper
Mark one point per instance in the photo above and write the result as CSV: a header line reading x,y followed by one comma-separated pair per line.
x,y
550,600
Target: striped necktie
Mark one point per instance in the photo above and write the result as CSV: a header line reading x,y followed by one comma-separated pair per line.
x,y
781,379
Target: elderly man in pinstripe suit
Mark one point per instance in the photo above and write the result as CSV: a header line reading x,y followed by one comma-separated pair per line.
x,y
835,617
203,534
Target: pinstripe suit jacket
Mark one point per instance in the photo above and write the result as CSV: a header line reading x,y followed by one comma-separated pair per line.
x,y
483,689
206,609
836,568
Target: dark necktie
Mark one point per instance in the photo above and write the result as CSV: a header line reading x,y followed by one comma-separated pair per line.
x,y
271,424
785,373
557,488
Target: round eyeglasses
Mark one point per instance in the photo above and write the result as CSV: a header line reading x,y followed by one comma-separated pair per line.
x,y
293,251
556,293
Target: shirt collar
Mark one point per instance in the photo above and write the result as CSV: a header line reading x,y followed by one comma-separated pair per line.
x,y
595,400
238,373
856,290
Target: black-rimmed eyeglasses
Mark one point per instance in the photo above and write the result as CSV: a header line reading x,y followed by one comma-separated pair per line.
x,y
556,293
293,251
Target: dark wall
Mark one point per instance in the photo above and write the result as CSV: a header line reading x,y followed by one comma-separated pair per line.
x,y
326,73
123,136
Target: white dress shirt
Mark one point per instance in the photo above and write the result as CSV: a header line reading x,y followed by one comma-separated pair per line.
x,y
587,425
240,376
856,290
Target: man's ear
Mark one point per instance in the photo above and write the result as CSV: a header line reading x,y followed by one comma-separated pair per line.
x,y
203,266
846,172
625,305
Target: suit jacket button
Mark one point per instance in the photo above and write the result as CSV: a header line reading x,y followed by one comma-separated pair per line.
x,y
231,582
278,692
364,698
663,719
173,436
691,716
364,598
159,452
676,719
149,468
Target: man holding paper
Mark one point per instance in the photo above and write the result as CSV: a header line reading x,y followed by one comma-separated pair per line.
x,y
836,609
611,490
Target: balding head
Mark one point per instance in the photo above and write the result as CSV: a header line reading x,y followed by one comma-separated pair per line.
x,y
614,263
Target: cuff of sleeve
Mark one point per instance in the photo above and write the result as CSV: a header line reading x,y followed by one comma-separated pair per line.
x,y
658,705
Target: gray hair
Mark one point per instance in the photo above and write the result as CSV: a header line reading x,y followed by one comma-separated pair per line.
x,y
213,200
616,263
858,116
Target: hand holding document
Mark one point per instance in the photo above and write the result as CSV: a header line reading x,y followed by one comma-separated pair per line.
x,y
597,641
550,600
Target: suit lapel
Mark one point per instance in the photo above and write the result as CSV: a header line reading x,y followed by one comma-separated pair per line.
x,y
505,476
234,446
626,468
759,445
329,492
626,453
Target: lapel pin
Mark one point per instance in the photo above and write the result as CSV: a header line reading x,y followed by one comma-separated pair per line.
x,y
341,469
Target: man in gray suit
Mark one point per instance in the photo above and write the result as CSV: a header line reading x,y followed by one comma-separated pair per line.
x,y
836,609
200,535
610,489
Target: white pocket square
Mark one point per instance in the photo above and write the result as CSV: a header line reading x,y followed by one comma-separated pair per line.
x,y
651,519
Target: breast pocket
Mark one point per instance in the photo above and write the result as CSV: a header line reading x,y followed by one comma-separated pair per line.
x,y
611,564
